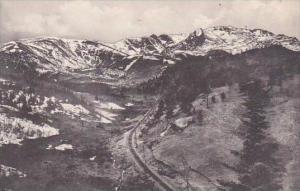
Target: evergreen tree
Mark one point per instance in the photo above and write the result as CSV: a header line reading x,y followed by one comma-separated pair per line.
x,y
258,164
160,110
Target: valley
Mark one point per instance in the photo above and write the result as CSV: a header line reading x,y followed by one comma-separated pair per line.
x,y
216,109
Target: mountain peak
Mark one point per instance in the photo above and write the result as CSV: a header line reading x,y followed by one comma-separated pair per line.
x,y
198,32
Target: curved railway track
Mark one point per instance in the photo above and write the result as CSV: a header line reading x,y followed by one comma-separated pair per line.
x,y
139,160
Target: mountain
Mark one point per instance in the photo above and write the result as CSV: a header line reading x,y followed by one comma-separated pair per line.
x,y
230,39
53,54
65,55
233,40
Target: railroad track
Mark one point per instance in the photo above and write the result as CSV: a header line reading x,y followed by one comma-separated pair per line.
x,y
139,160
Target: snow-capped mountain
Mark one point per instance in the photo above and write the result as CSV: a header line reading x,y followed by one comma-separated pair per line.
x,y
233,40
199,42
53,54
65,55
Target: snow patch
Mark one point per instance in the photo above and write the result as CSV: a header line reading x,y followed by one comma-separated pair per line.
x,y
129,104
9,107
64,147
110,105
14,130
130,64
6,171
167,61
49,147
183,122
74,109
106,114
104,120
150,58
178,37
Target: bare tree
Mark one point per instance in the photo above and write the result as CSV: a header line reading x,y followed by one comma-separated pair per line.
x,y
186,172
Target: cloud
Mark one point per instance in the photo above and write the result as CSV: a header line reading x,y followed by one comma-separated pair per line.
x,y
114,20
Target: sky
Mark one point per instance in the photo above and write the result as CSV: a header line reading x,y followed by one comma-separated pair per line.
x,y
109,21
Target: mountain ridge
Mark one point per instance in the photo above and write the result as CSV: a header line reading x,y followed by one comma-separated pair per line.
x,y
65,55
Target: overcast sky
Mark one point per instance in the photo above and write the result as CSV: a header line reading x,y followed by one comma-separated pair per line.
x,y
113,20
